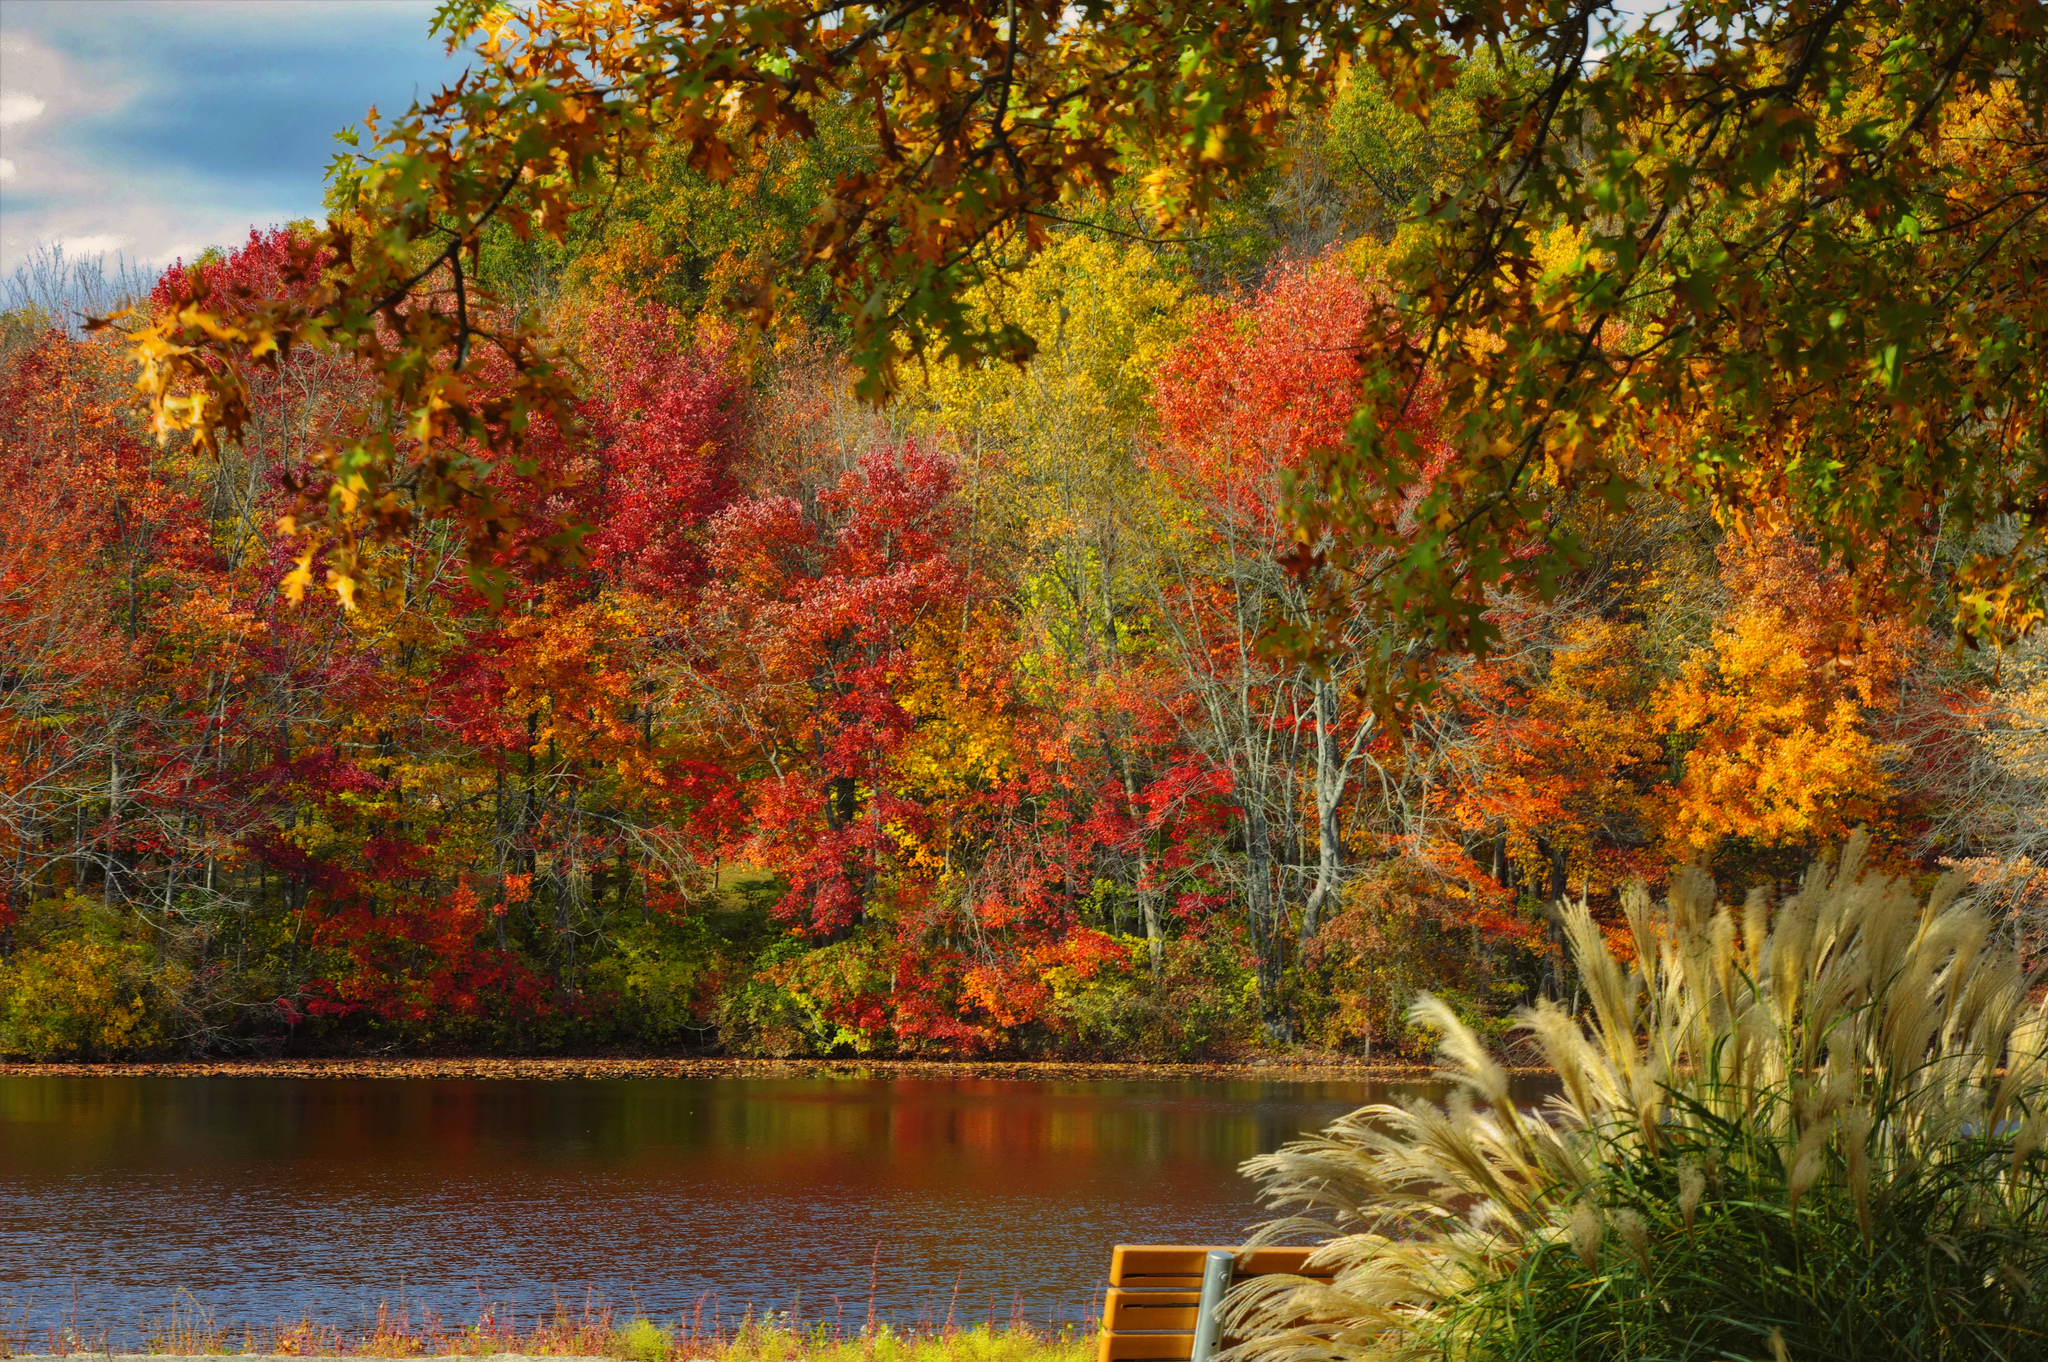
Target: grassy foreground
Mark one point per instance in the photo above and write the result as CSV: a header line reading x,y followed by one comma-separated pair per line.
x,y
589,1332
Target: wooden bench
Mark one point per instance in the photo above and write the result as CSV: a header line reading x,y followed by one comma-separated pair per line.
x,y
1162,1299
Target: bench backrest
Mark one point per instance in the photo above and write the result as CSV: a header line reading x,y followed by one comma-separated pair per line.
x,y
1155,1293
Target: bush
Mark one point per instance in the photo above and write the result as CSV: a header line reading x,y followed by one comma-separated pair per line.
x,y
1397,936
658,986
1810,1134
87,999
1203,1004
786,1008
642,1341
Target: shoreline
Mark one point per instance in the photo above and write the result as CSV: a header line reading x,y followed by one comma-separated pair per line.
x,y
553,1068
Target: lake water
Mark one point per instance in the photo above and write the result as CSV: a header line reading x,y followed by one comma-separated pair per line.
x,y
269,1198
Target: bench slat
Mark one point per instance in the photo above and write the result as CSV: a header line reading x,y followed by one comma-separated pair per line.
x,y
1178,1267
1146,1347
1125,1311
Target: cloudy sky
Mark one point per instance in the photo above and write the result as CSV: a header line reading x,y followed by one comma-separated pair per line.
x,y
155,128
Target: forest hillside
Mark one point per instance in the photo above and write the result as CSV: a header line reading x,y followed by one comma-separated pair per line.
x,y
771,720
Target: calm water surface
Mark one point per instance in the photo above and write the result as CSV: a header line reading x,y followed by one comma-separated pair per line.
x,y
269,1198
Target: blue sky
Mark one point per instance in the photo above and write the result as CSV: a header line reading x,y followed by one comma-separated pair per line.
x,y
155,128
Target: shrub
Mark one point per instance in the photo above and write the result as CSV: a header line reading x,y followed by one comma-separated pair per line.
x,y
1398,936
787,1007
80,999
642,1341
1815,1133
1203,1004
657,987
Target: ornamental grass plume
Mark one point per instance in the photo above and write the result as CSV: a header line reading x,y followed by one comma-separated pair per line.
x,y
1812,1132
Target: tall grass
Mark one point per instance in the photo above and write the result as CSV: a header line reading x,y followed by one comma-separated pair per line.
x,y
589,1330
1813,1132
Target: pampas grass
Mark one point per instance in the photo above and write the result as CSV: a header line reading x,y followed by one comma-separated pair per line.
x,y
1811,1132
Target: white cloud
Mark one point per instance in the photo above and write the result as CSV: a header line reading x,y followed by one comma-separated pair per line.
x,y
19,108
150,222
7,170
85,247
58,190
92,171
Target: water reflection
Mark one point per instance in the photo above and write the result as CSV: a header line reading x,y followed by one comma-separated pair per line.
x,y
266,1198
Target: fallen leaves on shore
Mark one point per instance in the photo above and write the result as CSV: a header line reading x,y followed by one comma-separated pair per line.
x,y
567,1068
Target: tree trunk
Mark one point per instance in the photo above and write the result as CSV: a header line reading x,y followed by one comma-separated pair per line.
x,y
1266,923
1333,773
1553,936
1148,899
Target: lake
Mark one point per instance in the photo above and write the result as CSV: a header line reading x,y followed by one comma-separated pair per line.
x,y
269,1198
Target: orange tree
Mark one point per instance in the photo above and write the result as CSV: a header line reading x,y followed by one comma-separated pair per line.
x,y
1775,727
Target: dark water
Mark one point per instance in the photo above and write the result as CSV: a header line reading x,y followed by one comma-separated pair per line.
x,y
270,1198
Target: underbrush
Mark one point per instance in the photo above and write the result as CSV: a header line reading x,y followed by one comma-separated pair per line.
x,y
82,982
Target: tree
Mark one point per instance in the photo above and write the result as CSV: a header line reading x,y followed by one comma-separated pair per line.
x,y
1709,256
1256,387
1783,264
1063,504
1777,726
700,242
805,640
998,119
70,670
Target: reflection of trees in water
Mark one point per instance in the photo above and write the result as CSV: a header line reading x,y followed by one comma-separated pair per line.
x,y
652,1192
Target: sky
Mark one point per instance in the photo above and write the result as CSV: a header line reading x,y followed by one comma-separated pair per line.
x,y
152,129
149,130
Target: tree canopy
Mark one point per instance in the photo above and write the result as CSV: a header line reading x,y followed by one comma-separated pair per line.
x,y
1784,258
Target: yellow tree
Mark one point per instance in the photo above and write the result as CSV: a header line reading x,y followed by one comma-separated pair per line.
x,y
1776,725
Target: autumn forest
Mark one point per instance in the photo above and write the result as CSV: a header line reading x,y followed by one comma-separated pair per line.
x,y
1010,716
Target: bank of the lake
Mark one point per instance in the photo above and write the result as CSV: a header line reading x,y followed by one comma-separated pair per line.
x,y
568,1067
